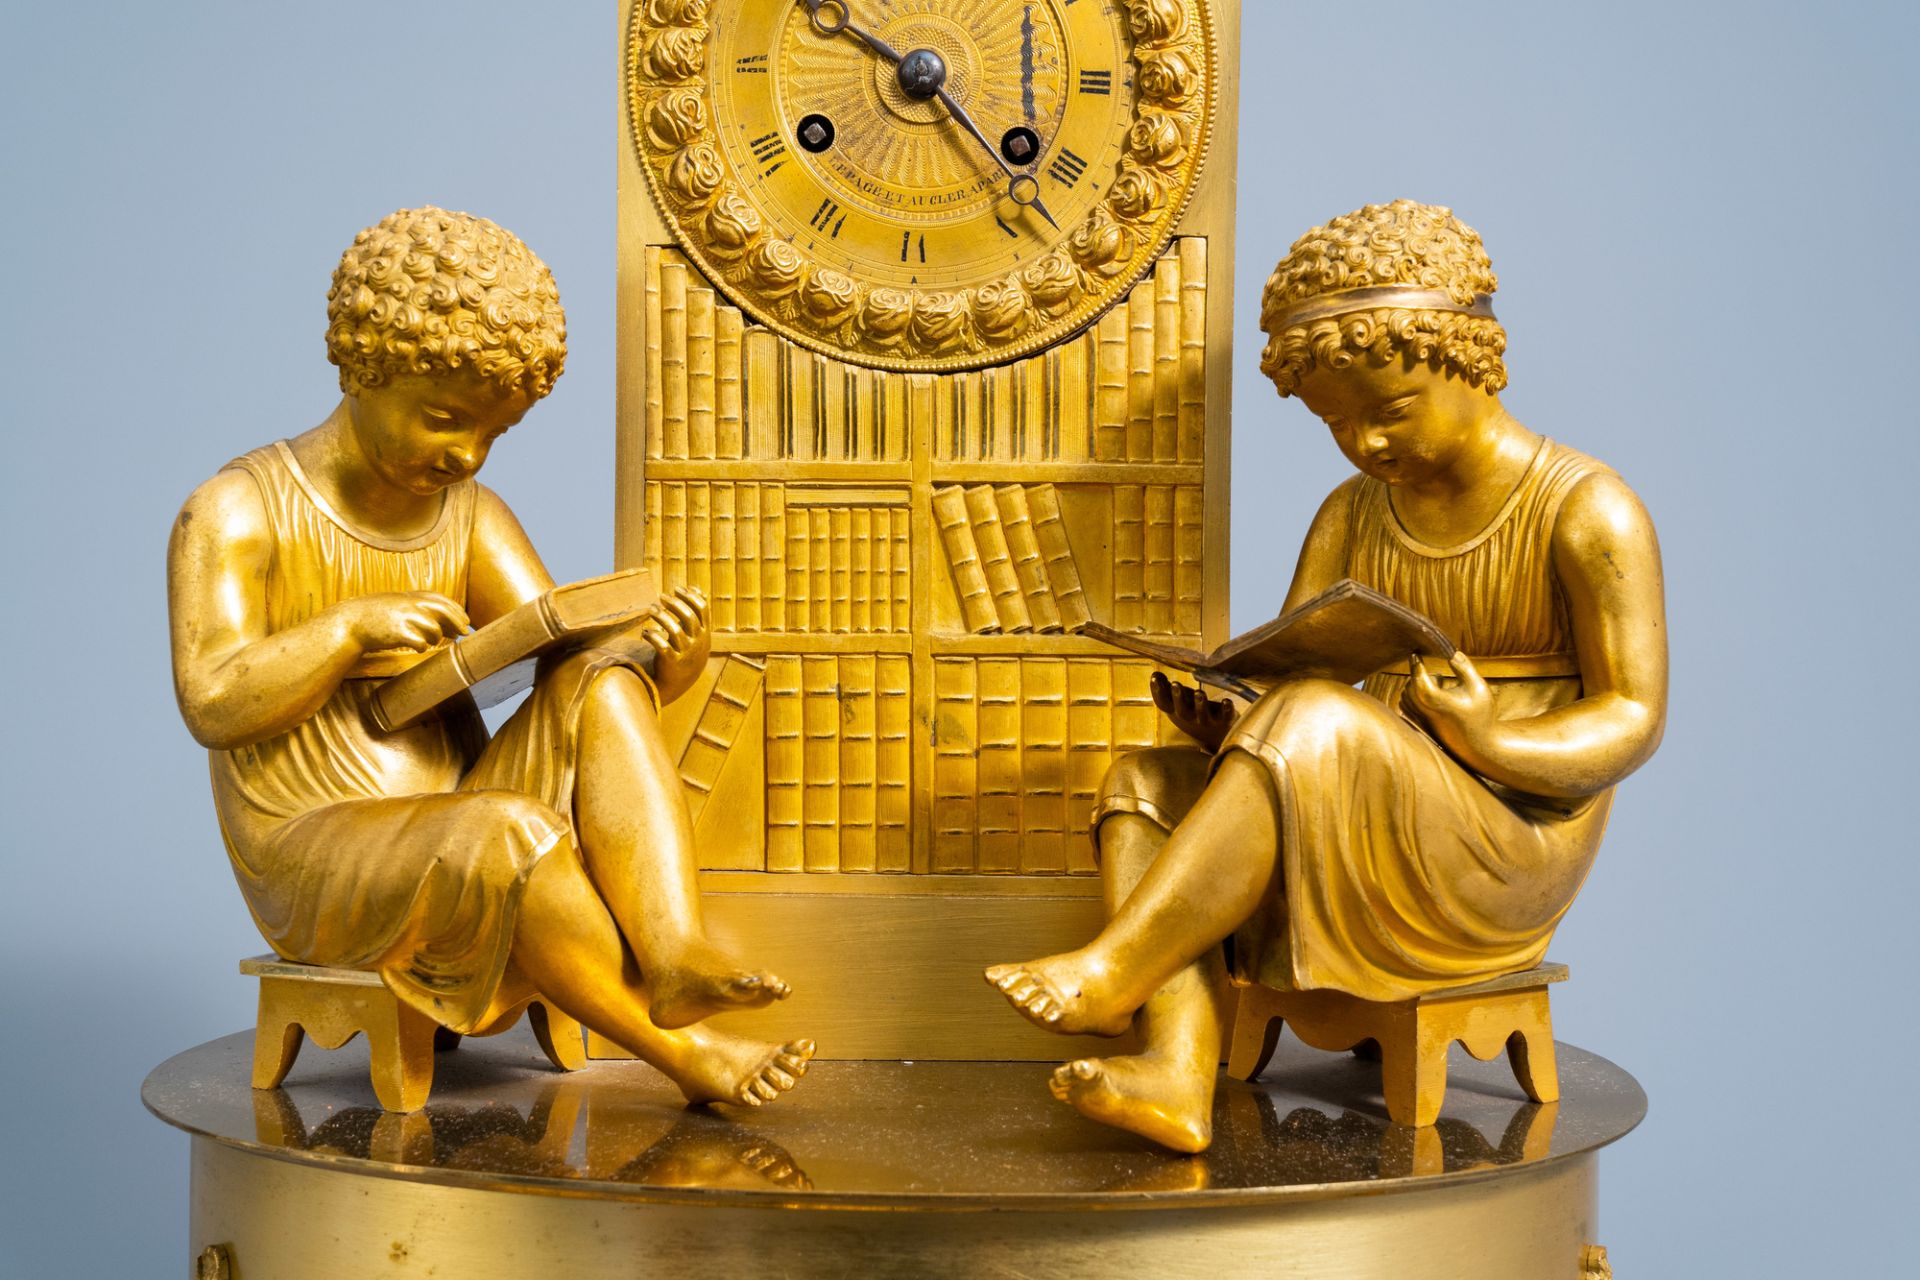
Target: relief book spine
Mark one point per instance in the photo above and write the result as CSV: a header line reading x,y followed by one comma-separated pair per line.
x,y
1089,754
799,566
673,357
859,848
820,720
843,585
820,589
718,727
785,766
902,570
1192,421
1110,386
996,561
729,420
700,537
1063,575
955,766
963,556
1001,784
893,762
720,598
700,371
1157,579
1129,553
673,535
1043,766
860,575
746,557
1028,564
880,569
1140,366
1189,549
773,569
1166,359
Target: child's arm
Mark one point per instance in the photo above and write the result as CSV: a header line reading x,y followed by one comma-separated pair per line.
x,y
1607,560
235,683
1323,557
503,569
504,572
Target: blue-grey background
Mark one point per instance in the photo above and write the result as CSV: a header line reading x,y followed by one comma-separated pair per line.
x,y
1703,216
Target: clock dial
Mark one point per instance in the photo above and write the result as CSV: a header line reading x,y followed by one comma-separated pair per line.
x,y
923,184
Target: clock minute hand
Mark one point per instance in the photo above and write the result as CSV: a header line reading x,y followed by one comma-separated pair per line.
x,y
1017,182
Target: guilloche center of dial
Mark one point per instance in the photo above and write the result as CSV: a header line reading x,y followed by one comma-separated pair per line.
x,y
922,74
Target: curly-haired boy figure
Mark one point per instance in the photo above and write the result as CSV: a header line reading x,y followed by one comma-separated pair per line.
x,y
554,859
1424,832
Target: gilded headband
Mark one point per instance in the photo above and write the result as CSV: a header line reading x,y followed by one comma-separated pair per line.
x,y
1399,296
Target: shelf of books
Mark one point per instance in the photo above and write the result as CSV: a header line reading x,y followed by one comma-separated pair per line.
x,y
896,566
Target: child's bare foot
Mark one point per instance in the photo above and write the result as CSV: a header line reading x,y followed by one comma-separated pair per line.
x,y
722,1068
1166,1101
1064,993
700,981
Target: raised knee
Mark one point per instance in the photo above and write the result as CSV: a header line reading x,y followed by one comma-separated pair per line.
x,y
1305,713
1160,783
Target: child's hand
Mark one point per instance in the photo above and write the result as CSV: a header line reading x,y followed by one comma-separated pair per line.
x,y
1205,720
1460,713
416,620
681,643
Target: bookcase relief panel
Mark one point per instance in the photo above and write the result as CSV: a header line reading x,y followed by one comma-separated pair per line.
x,y
897,564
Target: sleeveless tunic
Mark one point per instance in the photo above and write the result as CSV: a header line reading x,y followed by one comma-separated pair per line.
x,y
1401,871
403,853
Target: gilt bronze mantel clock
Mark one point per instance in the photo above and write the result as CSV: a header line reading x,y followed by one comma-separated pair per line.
x,y
925,357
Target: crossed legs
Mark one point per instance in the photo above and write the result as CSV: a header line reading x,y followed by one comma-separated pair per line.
x,y
610,926
1171,898
637,846
568,946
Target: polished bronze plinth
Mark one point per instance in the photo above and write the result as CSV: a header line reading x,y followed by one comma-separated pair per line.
x,y
919,1169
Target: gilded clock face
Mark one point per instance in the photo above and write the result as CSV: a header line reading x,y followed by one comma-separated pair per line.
x,y
923,184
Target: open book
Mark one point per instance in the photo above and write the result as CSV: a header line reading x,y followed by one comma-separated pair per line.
x,y
496,661
1345,633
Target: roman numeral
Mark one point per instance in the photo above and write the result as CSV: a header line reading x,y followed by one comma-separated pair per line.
x,y
1066,168
824,214
1100,82
754,66
1004,227
907,245
769,147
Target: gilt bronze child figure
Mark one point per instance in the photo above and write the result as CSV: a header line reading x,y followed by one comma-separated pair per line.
x,y
471,874
1428,831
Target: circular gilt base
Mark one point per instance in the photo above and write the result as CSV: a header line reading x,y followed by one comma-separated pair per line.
x,y
878,1168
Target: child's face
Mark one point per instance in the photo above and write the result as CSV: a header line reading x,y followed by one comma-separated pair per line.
x,y
423,432
1401,423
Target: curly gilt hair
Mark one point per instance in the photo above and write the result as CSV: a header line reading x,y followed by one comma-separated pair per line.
x,y
426,291
1403,243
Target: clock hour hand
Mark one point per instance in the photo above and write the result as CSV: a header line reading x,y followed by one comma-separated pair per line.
x,y
923,75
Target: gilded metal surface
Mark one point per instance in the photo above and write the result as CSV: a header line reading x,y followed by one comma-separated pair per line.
x,y
882,1135
910,242
1410,1038
882,551
1366,848
516,1170
471,875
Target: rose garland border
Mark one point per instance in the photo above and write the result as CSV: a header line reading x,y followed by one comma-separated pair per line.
x,y
1176,76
